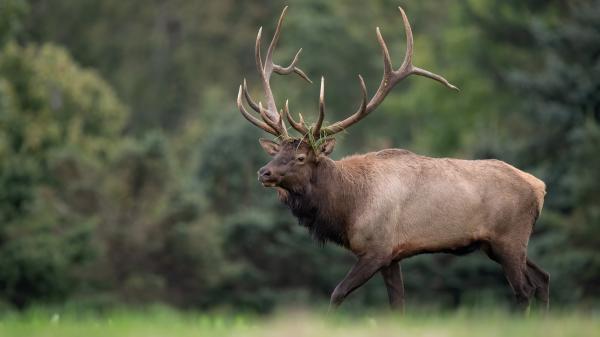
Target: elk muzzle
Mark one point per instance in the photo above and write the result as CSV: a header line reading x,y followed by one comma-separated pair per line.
x,y
267,177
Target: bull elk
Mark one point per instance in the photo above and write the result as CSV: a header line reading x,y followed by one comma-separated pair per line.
x,y
392,204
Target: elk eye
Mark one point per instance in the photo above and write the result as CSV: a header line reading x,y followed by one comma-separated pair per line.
x,y
300,158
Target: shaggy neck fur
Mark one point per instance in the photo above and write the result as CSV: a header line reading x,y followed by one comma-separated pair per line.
x,y
326,205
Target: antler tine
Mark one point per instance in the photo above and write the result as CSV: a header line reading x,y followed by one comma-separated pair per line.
x,y
284,131
363,89
292,68
390,78
249,99
387,62
253,119
433,76
298,126
257,56
317,127
408,54
269,58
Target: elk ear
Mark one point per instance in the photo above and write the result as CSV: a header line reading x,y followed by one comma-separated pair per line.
x,y
327,146
269,146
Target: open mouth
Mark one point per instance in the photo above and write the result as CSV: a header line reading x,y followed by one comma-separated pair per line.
x,y
268,182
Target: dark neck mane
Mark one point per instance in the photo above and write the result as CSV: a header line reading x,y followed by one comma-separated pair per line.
x,y
325,205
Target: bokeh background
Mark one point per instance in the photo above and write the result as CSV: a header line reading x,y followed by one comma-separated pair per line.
x,y
127,175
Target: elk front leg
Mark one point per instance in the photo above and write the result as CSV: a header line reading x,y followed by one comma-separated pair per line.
x,y
392,276
360,273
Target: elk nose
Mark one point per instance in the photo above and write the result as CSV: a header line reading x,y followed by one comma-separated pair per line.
x,y
264,172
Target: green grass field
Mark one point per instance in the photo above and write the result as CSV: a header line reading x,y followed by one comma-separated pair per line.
x,y
164,322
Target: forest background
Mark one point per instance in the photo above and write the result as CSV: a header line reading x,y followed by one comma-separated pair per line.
x,y
128,177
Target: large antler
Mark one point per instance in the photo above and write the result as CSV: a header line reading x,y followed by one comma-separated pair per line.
x,y
272,121
390,78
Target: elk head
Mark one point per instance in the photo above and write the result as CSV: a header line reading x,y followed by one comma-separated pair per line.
x,y
294,162
295,158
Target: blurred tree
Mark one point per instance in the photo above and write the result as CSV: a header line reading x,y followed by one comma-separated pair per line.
x,y
156,244
161,56
84,210
48,105
12,15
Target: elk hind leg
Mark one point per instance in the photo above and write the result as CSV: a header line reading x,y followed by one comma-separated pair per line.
x,y
392,276
512,258
541,281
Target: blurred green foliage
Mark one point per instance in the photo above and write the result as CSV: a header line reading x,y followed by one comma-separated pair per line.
x,y
54,114
128,176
